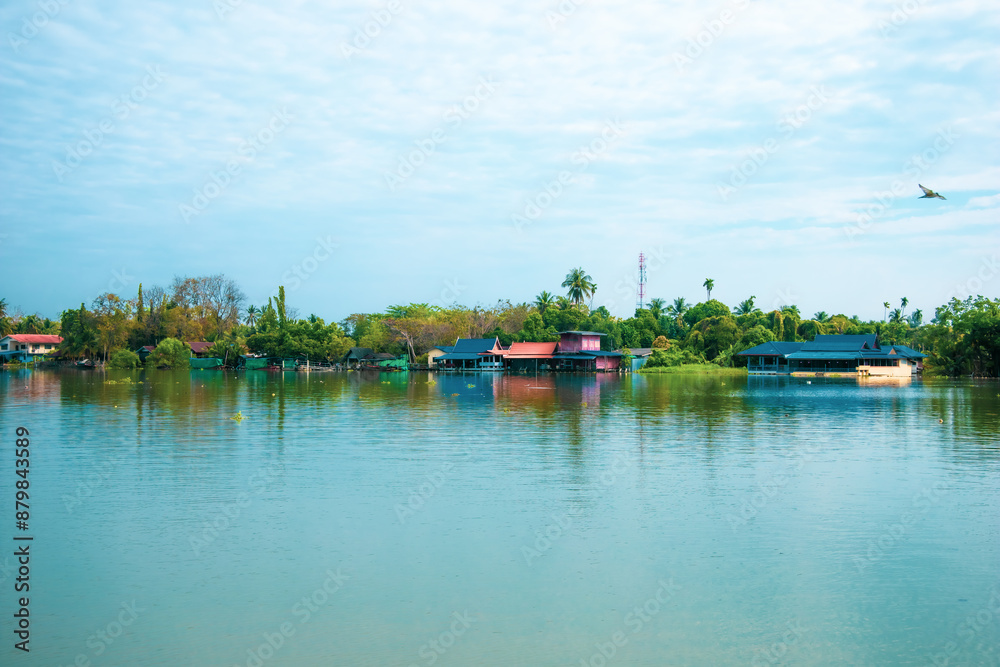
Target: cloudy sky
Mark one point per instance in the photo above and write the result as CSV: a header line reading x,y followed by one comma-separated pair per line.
x,y
365,154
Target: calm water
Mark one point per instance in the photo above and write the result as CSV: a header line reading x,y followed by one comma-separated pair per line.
x,y
487,520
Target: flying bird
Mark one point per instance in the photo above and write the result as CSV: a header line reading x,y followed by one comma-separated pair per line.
x,y
929,194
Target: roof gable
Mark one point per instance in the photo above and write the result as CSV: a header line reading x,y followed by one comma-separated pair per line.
x,y
531,349
476,345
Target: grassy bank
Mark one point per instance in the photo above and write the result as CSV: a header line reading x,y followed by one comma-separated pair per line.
x,y
693,369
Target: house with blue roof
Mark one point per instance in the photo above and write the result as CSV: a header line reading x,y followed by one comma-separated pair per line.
x,y
473,354
858,354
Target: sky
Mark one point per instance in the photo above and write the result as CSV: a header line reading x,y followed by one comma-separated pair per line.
x,y
366,154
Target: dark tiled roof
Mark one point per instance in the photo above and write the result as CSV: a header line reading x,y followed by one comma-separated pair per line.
x,y
772,348
199,346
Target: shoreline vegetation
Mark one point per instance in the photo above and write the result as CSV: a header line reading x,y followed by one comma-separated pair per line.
x,y
962,338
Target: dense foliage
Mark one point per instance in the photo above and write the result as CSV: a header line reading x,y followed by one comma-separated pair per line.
x,y
962,339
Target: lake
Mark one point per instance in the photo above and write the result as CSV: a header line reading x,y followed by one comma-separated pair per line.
x,y
452,519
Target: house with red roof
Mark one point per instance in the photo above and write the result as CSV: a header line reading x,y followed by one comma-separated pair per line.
x,y
24,347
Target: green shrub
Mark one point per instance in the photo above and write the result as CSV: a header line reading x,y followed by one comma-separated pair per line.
x,y
124,359
171,353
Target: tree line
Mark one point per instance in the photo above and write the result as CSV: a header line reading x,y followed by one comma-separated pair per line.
x,y
963,338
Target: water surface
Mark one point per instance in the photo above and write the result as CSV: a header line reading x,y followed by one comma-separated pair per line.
x,y
415,519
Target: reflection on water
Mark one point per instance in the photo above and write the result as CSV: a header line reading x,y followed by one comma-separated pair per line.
x,y
418,519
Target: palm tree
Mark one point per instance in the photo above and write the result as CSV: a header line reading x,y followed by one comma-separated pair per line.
x,y
656,307
579,285
821,316
792,310
708,285
903,303
4,322
886,306
897,315
252,313
745,307
543,301
29,324
678,308
916,318
562,303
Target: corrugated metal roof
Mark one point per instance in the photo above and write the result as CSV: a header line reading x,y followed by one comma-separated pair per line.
x,y
846,355
35,338
474,345
837,343
199,346
600,353
530,350
583,333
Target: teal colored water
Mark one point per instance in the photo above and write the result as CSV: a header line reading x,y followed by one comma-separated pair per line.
x,y
419,519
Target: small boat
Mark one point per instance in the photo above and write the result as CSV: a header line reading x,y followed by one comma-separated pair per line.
x,y
85,363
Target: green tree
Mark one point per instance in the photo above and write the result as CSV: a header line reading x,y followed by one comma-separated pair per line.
x,y
708,285
885,305
903,303
5,324
745,307
821,316
656,307
543,301
579,285
170,353
124,359
252,313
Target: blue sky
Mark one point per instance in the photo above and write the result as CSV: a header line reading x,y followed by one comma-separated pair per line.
x,y
365,154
